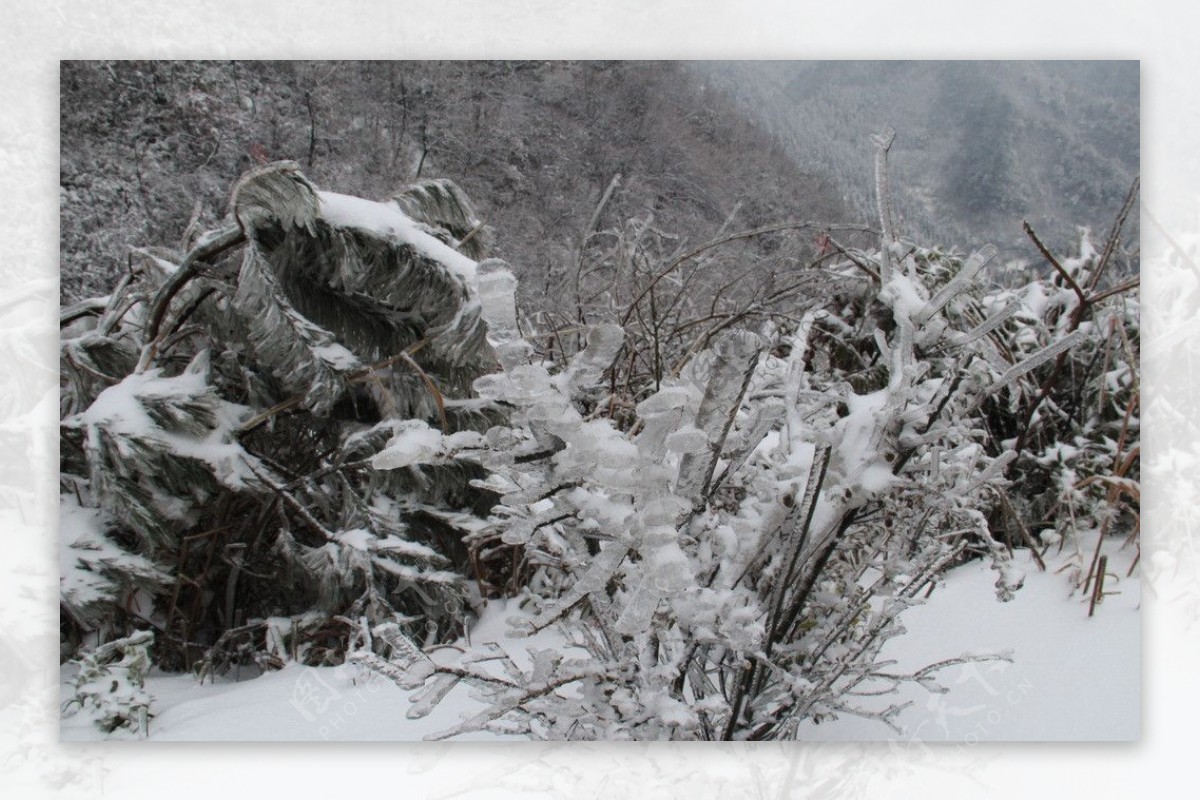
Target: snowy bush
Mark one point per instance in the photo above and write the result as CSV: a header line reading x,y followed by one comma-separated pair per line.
x,y
110,685
223,410
730,568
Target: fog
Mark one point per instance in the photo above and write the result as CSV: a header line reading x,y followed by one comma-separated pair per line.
x,y
980,145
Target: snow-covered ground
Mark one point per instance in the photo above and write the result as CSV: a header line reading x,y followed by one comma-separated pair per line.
x,y
1071,678
304,703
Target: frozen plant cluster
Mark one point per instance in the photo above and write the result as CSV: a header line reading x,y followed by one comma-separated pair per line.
x,y
323,434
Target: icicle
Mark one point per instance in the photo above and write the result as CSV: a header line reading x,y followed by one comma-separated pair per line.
x,y
587,368
885,352
397,675
477,723
639,611
497,287
763,418
406,654
663,413
491,652
955,286
602,568
1037,359
736,357
883,143
991,471
800,519
987,326
671,398
902,355
424,701
687,439
598,574
519,532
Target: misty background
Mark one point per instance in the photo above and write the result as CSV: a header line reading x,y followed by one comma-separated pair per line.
x,y
980,145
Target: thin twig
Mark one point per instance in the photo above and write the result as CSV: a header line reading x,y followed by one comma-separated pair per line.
x,y
724,240
1110,245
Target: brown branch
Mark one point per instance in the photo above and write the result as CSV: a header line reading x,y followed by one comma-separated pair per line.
x,y
431,386
854,260
222,241
1026,537
1055,264
470,235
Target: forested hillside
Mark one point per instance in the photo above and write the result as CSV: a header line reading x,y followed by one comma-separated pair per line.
x,y
149,148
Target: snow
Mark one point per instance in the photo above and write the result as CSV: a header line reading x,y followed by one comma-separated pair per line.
x,y
387,220
119,410
876,478
1072,677
359,539
401,547
856,458
301,703
336,356
902,295
83,551
415,442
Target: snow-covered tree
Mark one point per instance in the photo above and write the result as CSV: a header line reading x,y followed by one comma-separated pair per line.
x,y
221,411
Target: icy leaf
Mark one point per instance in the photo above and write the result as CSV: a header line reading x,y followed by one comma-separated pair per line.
x,y
299,353
988,325
277,192
545,661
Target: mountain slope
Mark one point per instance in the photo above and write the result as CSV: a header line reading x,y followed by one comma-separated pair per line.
x,y
980,145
